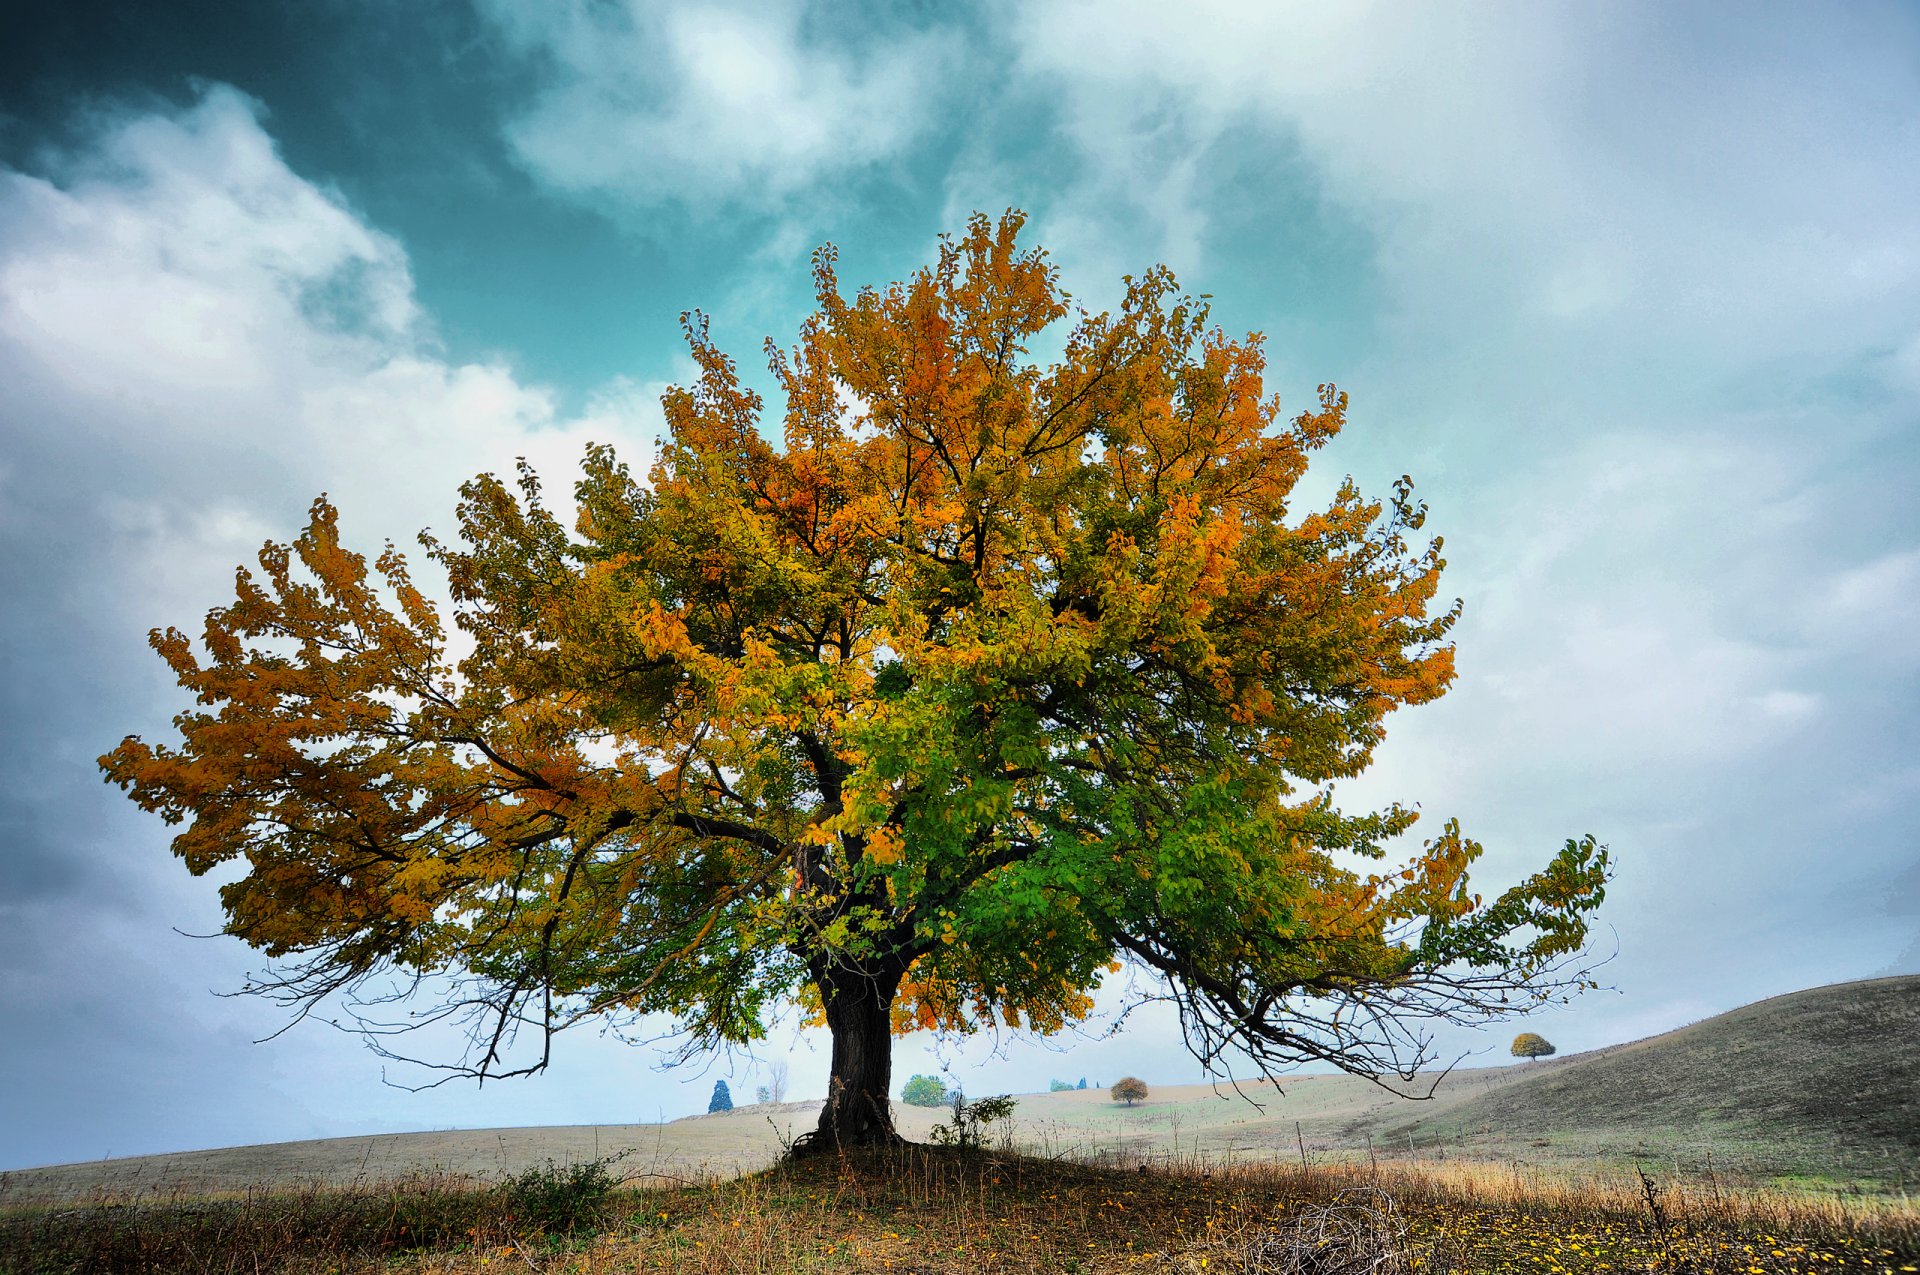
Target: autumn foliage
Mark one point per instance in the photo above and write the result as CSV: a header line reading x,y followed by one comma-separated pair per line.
x,y
1531,1045
984,679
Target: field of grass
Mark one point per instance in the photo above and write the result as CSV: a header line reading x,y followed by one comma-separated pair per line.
x,y
1781,1137
1819,1088
947,1212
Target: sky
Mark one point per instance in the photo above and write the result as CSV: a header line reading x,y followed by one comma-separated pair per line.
x,y
1632,291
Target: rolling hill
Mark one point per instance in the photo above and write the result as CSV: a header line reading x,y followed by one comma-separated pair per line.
x,y
1824,1082
1820,1085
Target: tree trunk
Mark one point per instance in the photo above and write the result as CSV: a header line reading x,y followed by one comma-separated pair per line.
x,y
858,1113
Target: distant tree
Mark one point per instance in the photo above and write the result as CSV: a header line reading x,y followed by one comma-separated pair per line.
x,y
776,1086
1082,1084
1058,1086
1129,1089
1528,1045
924,1091
762,1094
722,1100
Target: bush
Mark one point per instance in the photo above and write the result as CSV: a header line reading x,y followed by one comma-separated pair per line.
x,y
1059,1086
1129,1089
968,1118
924,1091
555,1199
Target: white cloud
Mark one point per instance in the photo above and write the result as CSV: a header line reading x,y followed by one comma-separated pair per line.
x,y
200,340
1873,608
196,340
1701,190
707,105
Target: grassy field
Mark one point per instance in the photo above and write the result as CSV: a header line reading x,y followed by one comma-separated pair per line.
x,y
947,1212
1819,1088
1780,1137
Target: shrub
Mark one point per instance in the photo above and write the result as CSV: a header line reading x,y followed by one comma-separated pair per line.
x,y
924,1091
555,1199
1528,1045
1129,1089
1058,1086
968,1117
722,1098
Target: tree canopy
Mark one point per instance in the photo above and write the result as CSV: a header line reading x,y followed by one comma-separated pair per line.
x,y
1531,1045
924,1091
985,679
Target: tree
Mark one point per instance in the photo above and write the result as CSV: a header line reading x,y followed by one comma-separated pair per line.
x,y
722,1099
1528,1045
1082,1084
777,1081
924,1091
1129,1089
988,678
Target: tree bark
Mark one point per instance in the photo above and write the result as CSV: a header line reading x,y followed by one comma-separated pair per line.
x,y
858,1112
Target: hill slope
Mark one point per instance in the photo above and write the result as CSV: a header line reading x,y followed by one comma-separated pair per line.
x,y
1822,1083
1811,1082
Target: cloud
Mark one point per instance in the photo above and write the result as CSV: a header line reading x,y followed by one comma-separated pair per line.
x,y
1619,185
195,341
1636,294
711,106
199,340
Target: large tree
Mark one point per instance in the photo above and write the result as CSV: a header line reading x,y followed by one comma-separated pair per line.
x,y
990,678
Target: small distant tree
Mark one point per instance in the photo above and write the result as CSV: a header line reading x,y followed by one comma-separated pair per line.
x,y
777,1081
924,1091
722,1100
1083,1083
1529,1045
762,1094
1057,1086
1129,1089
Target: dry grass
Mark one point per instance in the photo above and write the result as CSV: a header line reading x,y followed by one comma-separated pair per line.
x,y
936,1212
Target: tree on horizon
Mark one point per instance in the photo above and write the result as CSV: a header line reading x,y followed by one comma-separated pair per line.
x,y
722,1099
989,678
1529,1045
924,1091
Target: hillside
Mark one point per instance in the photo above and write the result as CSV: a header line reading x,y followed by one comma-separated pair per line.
x,y
1820,1084
1823,1082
